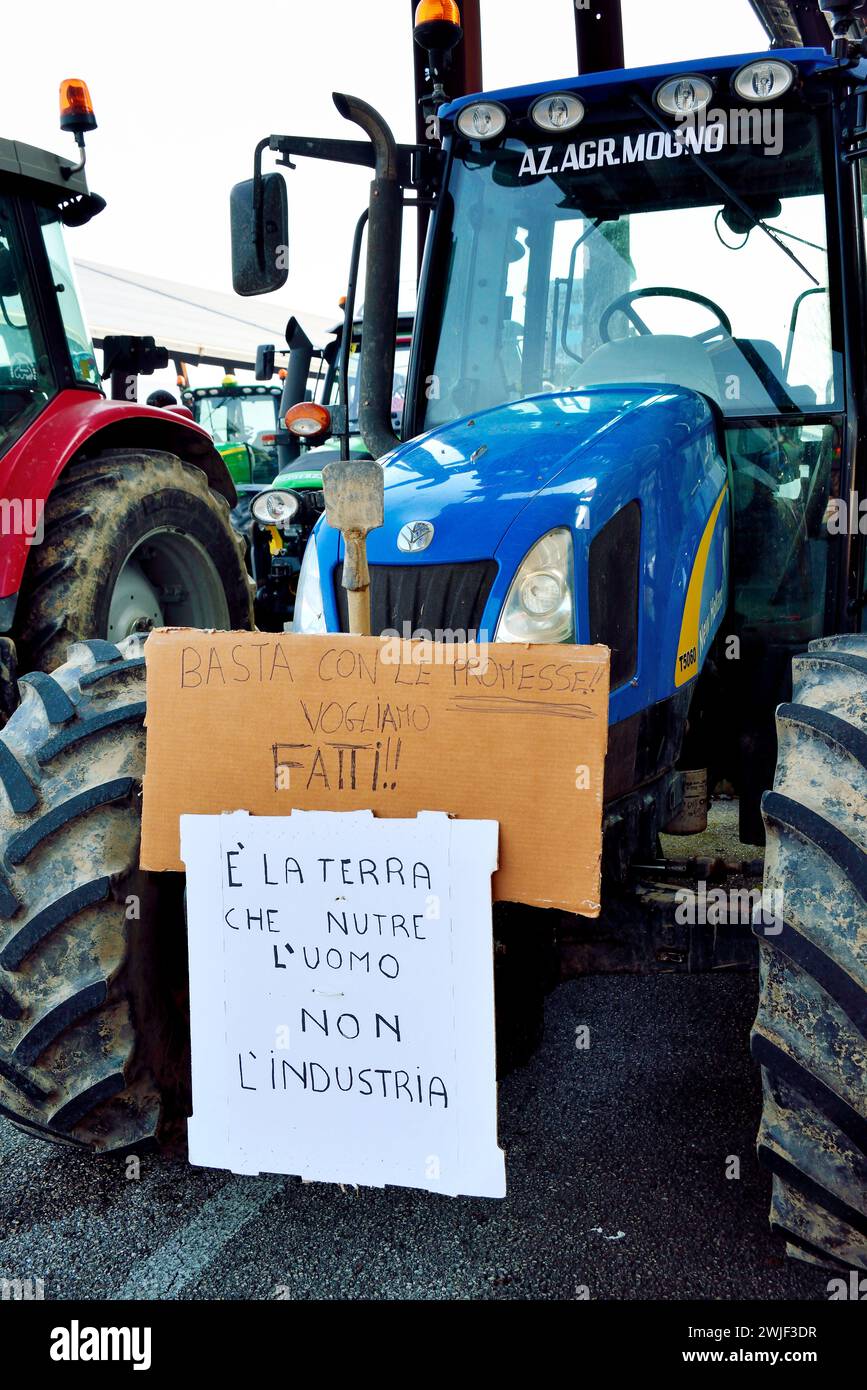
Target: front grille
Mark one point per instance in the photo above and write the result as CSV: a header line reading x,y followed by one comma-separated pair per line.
x,y
448,597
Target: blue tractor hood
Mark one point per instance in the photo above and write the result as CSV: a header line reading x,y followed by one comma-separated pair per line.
x,y
646,459
473,477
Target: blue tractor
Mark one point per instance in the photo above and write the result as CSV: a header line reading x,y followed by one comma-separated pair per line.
x,y
634,417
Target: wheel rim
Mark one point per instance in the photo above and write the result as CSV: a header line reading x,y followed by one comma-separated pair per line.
x,y
167,580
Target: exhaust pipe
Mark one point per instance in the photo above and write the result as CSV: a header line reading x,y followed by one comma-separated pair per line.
x,y
381,279
294,389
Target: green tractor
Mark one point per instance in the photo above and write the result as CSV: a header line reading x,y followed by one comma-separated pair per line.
x,y
243,422
284,514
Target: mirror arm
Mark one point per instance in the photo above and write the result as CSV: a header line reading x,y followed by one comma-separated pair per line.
x,y
258,204
418,166
340,151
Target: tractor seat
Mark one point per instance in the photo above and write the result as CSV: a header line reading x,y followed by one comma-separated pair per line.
x,y
731,364
669,358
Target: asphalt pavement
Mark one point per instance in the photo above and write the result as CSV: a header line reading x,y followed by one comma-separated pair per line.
x,y
617,1160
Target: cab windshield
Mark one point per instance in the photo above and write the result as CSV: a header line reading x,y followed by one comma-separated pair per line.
x,y
239,419
563,263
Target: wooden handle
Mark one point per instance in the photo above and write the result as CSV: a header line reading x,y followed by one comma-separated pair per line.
x,y
358,602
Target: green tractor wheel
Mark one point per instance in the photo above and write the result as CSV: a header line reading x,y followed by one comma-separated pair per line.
x,y
810,1035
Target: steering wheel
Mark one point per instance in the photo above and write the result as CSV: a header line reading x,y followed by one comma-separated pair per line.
x,y
624,303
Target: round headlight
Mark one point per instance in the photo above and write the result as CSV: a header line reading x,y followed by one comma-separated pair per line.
x,y
276,507
683,96
541,593
767,80
484,120
560,111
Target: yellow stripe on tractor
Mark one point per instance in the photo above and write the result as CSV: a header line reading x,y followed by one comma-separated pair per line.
x,y
686,662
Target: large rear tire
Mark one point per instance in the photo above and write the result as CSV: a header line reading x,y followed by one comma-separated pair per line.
x,y
94,1044
133,539
810,1035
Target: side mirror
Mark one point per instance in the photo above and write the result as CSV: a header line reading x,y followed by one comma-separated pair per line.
x,y
122,352
264,361
125,358
259,235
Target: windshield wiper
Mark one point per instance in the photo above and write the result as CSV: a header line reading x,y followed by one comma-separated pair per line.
x,y
724,188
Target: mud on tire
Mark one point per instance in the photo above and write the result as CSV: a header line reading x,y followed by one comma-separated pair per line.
x,y
102,509
810,1035
93,1031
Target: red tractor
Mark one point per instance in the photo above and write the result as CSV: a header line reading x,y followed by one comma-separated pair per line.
x,y
114,516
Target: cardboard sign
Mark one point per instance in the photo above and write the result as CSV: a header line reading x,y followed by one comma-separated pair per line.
x,y
272,722
341,998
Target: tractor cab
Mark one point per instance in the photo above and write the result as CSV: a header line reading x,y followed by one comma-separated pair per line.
x,y
331,395
243,422
679,228
316,430
45,347
79,555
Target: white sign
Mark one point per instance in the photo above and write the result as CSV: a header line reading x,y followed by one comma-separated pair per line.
x,y
342,998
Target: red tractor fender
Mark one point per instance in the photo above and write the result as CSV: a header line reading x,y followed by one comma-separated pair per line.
x,y
79,424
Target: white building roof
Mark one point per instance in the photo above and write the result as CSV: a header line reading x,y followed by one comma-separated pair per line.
x,y
186,319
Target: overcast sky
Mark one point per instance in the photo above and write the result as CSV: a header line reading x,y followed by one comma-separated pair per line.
x,y
183,92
